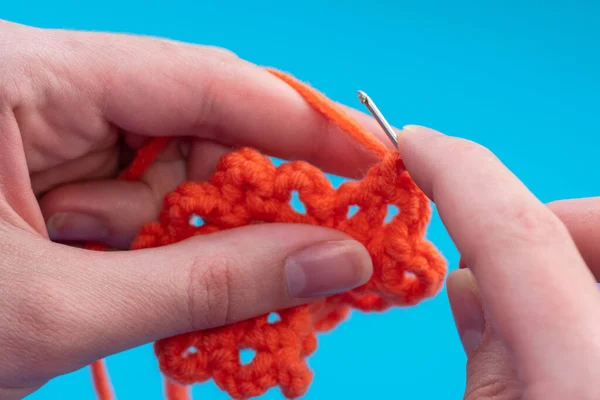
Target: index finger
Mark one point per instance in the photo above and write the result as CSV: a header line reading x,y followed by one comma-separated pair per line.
x,y
540,296
155,87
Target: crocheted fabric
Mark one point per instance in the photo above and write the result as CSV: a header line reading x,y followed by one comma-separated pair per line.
x,y
247,188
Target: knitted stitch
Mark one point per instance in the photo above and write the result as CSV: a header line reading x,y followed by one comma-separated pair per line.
x,y
247,188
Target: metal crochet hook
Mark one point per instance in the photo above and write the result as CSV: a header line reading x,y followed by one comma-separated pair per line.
x,y
368,102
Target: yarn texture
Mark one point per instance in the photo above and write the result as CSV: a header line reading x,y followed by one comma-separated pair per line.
x,y
248,188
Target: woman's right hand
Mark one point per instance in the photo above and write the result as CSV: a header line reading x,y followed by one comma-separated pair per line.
x,y
526,306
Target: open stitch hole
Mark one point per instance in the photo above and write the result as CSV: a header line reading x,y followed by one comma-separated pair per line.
x,y
196,221
392,211
352,210
189,351
296,203
273,318
409,275
246,356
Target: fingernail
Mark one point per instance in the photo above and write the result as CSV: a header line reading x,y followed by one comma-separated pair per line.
x,y
466,308
74,226
327,268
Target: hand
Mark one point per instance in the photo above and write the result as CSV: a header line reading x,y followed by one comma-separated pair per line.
x,y
71,104
527,306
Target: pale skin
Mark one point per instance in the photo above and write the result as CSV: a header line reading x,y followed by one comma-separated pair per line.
x,y
72,103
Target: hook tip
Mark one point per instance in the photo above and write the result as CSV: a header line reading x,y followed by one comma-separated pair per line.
x,y
362,97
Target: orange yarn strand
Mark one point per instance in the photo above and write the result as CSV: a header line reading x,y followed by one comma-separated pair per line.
x,y
334,113
247,188
174,391
144,157
101,381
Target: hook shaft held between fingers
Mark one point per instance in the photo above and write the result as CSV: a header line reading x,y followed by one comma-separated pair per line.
x,y
370,104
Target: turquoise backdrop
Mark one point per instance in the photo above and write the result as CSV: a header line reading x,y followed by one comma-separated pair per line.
x,y
520,77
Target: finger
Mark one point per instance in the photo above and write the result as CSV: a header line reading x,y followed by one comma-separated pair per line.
x,y
203,159
155,88
525,262
467,309
97,165
112,212
100,303
582,218
491,372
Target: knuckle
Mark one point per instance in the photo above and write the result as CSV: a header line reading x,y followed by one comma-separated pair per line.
x,y
36,322
466,149
44,310
534,224
207,114
523,221
182,50
8,86
221,53
5,94
170,49
492,388
209,294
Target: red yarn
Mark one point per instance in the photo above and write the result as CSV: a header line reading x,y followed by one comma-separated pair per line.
x,y
175,391
247,188
101,381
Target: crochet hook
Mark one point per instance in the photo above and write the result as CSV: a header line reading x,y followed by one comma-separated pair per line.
x,y
370,104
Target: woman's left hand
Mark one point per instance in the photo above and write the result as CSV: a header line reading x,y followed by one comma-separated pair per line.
x,y
73,107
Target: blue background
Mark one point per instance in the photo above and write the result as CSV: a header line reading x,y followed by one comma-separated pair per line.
x,y
520,77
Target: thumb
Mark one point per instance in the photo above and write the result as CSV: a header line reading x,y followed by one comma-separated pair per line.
x,y
491,373
108,302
